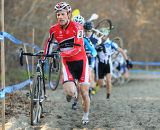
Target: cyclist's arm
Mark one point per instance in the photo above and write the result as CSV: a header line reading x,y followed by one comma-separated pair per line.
x,y
91,48
129,64
48,42
123,53
117,48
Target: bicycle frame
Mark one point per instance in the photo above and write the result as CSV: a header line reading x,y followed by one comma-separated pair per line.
x,y
40,73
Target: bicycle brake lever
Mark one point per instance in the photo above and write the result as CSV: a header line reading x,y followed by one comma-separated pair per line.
x,y
21,56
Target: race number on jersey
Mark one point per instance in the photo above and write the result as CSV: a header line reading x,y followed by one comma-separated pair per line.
x,y
80,34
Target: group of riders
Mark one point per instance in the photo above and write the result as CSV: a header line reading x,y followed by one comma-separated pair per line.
x,y
86,55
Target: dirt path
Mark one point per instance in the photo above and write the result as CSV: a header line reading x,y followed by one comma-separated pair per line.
x,y
135,106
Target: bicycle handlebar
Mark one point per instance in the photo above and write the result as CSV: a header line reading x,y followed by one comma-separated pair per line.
x,y
97,31
39,54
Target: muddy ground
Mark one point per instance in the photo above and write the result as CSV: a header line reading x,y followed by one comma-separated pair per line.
x,y
132,106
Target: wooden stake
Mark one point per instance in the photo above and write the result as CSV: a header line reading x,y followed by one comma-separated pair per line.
x,y
33,51
2,66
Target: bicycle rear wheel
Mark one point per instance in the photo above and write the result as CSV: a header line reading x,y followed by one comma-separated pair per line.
x,y
118,40
105,23
54,71
36,104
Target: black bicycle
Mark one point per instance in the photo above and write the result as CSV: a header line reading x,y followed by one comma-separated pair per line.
x,y
38,90
105,23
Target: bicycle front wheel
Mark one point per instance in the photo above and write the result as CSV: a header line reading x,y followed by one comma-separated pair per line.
x,y
54,72
36,104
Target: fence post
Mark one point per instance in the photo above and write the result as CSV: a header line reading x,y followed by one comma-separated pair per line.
x,y
33,32
2,67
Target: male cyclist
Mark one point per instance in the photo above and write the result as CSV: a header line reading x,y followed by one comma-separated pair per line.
x,y
69,36
103,62
88,26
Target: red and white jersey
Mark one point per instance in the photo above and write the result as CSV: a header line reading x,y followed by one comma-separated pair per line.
x,y
71,44
70,41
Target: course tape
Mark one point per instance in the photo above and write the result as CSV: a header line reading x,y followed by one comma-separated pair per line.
x,y
16,41
146,63
10,89
144,71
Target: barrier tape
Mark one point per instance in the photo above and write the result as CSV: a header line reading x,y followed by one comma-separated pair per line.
x,y
10,89
145,72
17,41
146,63
141,63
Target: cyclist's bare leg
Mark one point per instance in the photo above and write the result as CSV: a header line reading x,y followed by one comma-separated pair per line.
x,y
92,82
85,96
61,78
70,89
78,91
126,75
84,89
108,84
100,82
92,77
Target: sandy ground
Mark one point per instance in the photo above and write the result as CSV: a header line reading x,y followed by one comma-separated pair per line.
x,y
133,106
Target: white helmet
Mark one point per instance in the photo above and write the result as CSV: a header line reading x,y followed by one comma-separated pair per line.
x,y
62,6
79,19
105,31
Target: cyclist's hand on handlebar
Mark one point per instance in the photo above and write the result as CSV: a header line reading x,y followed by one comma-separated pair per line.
x,y
89,55
43,62
129,64
41,51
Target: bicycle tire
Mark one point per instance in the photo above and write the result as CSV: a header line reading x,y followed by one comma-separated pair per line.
x,y
118,40
105,23
54,71
36,105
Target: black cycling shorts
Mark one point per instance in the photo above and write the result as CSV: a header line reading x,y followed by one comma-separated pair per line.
x,y
103,69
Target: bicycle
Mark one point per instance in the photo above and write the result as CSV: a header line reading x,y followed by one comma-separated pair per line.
x,y
38,90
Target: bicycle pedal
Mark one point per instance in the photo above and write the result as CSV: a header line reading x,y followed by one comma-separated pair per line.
x,y
45,97
28,95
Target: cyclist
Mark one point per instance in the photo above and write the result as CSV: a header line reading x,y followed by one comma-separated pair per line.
x,y
88,26
90,51
119,67
103,62
69,36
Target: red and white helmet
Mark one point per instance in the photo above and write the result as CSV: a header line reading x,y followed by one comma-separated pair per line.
x,y
63,6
